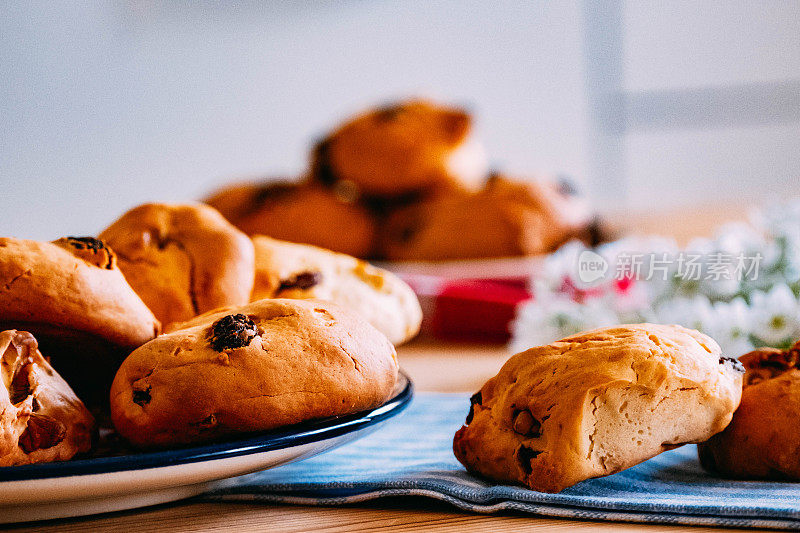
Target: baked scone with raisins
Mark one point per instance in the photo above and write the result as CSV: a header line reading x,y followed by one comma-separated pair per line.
x,y
253,368
182,259
762,440
73,297
300,212
289,270
506,218
402,149
596,403
41,419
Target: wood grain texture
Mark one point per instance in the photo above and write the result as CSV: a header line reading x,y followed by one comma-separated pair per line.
x,y
389,516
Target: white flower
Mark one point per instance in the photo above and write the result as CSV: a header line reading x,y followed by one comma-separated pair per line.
x,y
775,315
780,220
737,287
695,313
541,321
738,237
731,327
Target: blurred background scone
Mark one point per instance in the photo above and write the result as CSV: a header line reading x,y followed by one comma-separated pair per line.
x,y
299,212
407,182
506,218
182,259
402,148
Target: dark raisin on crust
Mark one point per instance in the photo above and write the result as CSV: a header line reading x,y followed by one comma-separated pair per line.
x,y
232,331
524,456
302,281
95,248
735,363
41,433
476,398
322,169
206,423
142,397
388,112
86,243
270,191
525,424
20,387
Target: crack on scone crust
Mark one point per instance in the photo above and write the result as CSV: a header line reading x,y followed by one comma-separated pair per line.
x,y
42,432
524,457
232,331
161,244
303,281
16,278
593,432
20,387
142,397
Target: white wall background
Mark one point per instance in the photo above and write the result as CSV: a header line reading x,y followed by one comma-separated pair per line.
x,y
104,105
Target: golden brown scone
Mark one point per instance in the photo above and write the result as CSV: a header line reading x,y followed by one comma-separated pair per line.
x,y
762,440
507,218
239,199
289,270
408,147
305,213
596,403
72,296
182,259
41,419
254,368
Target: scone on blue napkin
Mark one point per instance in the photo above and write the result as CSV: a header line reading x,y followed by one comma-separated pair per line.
x,y
412,456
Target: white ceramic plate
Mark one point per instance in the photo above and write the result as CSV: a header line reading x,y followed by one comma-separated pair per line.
x,y
99,485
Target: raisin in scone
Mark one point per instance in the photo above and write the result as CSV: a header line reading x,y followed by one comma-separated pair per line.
x,y
289,270
183,259
506,218
401,149
596,403
41,419
762,440
300,212
73,297
253,368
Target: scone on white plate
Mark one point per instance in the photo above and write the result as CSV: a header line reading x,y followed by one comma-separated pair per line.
x,y
290,270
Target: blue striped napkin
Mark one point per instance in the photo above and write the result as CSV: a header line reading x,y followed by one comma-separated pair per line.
x,y
412,455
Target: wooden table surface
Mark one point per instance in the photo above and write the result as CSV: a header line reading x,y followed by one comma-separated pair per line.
x,y
433,366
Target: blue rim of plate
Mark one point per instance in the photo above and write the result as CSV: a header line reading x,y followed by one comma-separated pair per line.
x,y
296,435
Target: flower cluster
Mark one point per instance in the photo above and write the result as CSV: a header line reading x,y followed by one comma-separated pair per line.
x,y
741,287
